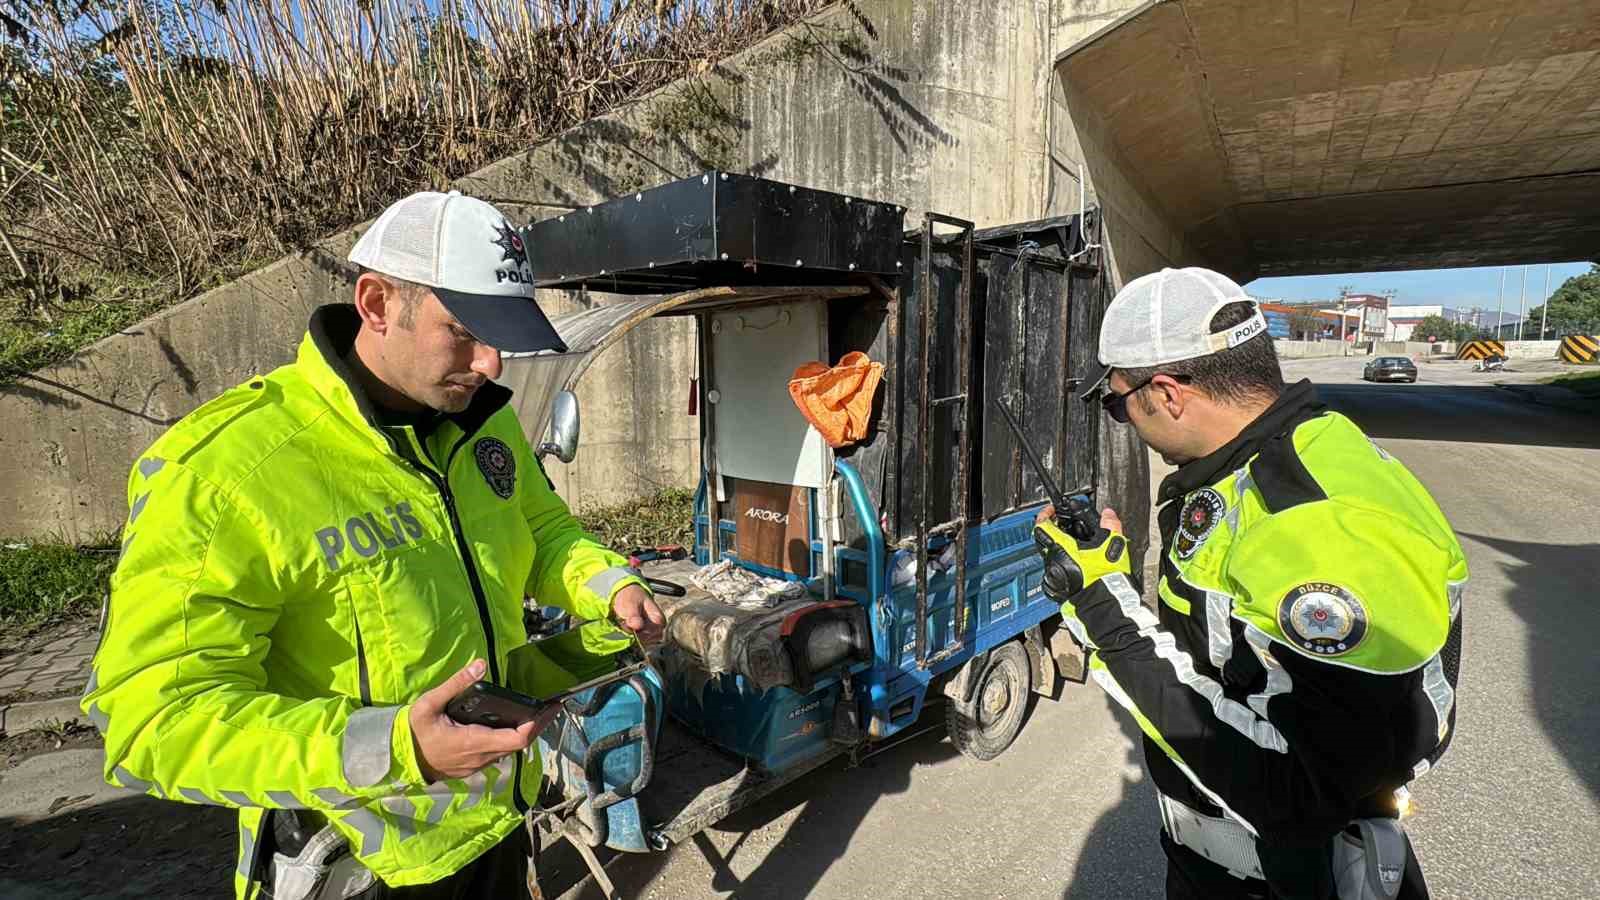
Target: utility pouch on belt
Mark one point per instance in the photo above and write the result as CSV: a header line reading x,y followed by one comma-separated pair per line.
x,y
1369,856
323,869
1369,859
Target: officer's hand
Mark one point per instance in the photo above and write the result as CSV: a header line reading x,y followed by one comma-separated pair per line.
x,y
1109,520
636,611
1070,565
448,749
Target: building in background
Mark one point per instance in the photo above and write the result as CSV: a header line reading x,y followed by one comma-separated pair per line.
x,y
1307,320
1404,319
1373,310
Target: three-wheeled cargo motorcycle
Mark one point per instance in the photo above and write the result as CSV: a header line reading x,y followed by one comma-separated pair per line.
x,y
901,570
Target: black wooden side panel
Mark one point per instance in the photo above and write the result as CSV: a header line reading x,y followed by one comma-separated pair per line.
x,y
943,444
1036,322
1088,295
1025,367
1043,292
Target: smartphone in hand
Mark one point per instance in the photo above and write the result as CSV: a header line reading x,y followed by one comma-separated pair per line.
x,y
486,703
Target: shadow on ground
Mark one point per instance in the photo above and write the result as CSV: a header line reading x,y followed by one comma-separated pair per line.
x,y
1480,414
1553,590
833,802
136,846
1121,855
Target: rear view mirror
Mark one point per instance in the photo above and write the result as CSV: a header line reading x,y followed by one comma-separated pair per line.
x,y
561,439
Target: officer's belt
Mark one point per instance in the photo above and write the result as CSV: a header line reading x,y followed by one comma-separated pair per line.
x,y
1223,841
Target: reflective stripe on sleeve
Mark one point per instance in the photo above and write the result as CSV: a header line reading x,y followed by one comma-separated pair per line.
x,y
285,800
127,780
1219,631
477,784
97,716
1108,682
437,810
336,798
1440,694
1278,680
370,826
1240,717
404,815
606,582
366,756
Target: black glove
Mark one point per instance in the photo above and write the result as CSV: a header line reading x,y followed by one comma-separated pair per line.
x,y
1070,565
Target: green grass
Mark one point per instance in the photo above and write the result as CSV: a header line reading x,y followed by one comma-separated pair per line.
x,y
89,306
25,347
45,580
665,518
46,319
1585,383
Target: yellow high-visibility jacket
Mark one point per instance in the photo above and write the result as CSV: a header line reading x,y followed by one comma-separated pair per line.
x,y
295,573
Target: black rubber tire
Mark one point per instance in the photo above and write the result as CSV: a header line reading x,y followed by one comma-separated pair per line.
x,y
985,726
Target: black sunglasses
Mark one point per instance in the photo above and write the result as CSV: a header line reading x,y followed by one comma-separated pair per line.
x,y
1116,405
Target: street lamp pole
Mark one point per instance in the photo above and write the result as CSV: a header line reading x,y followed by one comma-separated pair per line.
x,y
1524,292
1544,309
1499,323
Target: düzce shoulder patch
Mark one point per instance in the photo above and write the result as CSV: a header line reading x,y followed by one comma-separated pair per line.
x,y
1198,519
1322,619
498,466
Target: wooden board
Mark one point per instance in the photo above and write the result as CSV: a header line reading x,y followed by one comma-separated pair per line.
x,y
772,523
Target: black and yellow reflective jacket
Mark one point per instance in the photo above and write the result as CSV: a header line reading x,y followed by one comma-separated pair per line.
x,y
1302,659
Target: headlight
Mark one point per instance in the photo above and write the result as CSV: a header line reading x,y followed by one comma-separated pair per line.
x,y
829,644
823,637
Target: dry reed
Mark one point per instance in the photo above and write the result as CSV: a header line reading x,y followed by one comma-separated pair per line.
x,y
149,150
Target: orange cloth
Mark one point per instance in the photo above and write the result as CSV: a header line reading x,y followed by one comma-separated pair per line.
x,y
837,401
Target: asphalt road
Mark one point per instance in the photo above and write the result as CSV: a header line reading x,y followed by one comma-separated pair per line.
x,y
1512,811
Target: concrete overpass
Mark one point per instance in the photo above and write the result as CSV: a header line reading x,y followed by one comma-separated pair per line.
x,y
1280,137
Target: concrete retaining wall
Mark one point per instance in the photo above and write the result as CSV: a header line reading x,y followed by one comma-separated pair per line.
x,y
1532,349
934,105
1423,348
1413,349
1307,349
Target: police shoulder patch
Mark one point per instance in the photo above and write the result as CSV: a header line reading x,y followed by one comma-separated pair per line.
x,y
498,465
1322,619
1200,515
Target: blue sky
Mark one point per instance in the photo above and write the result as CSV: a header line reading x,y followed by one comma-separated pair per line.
x,y
1461,288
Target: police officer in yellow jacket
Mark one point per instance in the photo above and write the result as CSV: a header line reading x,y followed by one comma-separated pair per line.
x,y
1301,663
316,561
